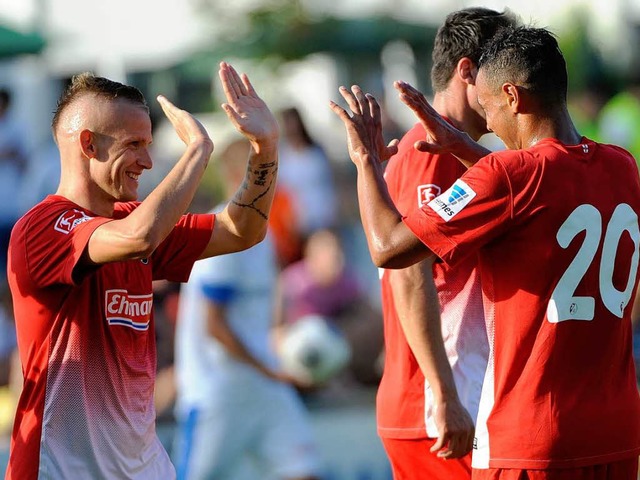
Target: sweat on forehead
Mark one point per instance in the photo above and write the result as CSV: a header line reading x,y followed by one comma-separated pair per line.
x,y
91,111
87,86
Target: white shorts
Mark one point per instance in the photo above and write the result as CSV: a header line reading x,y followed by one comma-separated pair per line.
x,y
263,434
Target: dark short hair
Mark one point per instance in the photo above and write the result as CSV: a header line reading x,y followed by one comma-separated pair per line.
x,y
463,34
530,58
87,83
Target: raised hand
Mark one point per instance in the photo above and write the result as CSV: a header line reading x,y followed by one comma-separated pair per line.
x,y
364,125
246,110
188,128
441,135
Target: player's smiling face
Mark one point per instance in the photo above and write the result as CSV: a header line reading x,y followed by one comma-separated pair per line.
x,y
125,152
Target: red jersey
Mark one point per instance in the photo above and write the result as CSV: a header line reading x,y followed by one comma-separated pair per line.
x,y
87,345
556,231
404,401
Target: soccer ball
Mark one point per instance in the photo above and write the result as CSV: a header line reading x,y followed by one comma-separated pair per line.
x,y
313,350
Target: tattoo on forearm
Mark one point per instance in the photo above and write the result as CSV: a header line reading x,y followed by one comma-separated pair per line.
x,y
261,174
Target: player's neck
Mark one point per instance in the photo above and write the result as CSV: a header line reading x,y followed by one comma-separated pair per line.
x,y
454,106
82,197
560,127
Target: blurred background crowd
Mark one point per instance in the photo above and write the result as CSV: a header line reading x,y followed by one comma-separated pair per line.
x,y
297,53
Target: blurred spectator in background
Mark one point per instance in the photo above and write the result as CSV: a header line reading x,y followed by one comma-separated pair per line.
x,y
283,225
239,416
322,283
585,107
13,163
10,375
7,333
305,172
619,120
42,174
165,306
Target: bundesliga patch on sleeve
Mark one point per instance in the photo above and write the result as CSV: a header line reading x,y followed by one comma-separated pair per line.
x,y
70,220
452,201
427,192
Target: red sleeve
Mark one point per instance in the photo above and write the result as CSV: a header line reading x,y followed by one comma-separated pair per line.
x,y
49,241
175,256
400,175
473,211
415,178
122,209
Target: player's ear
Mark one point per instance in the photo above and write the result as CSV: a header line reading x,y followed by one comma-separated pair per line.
x,y
513,97
467,70
88,144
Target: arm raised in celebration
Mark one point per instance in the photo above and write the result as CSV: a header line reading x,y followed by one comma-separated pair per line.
x,y
243,222
391,243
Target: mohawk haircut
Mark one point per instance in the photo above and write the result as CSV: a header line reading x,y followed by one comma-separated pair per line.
x,y
88,83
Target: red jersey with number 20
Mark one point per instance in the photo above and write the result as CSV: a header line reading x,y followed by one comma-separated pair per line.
x,y
556,228
405,407
87,346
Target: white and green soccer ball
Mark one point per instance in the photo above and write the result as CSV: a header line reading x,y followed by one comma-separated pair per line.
x,y
313,350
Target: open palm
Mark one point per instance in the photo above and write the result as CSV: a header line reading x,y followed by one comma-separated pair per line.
x,y
246,110
364,125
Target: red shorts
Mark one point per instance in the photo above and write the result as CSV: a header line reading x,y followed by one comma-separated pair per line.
x,y
622,470
411,460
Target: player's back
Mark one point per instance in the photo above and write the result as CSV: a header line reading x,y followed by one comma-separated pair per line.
x,y
560,276
592,196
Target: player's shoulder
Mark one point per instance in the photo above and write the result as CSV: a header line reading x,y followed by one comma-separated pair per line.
x,y
518,157
498,160
587,148
503,167
49,203
609,150
53,212
122,209
416,132
407,155
48,207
